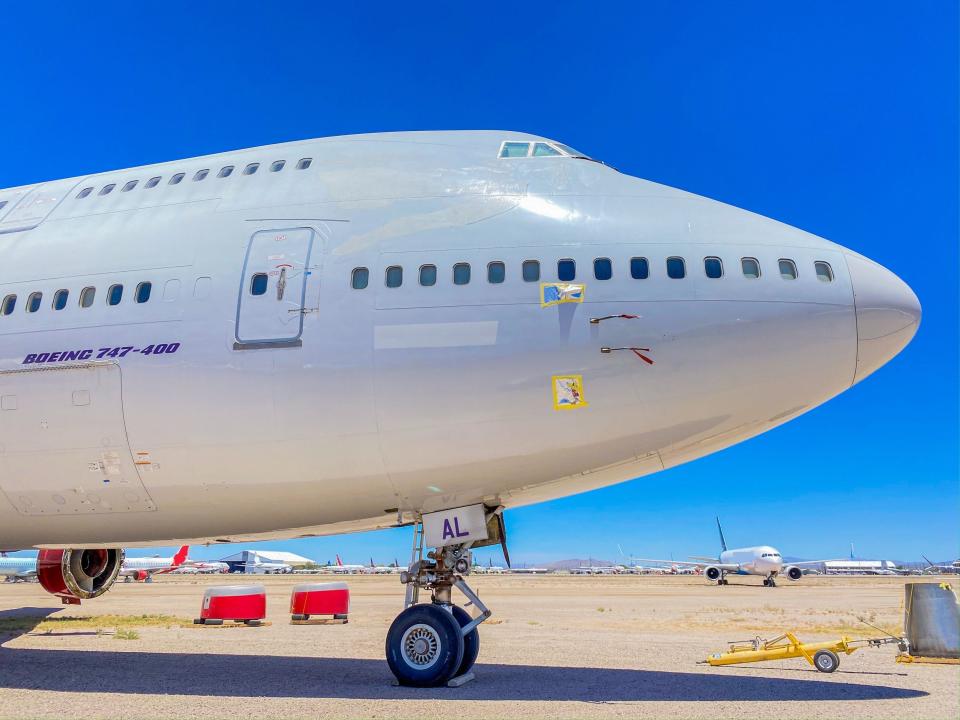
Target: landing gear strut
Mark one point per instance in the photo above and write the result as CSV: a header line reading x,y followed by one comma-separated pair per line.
x,y
769,582
435,643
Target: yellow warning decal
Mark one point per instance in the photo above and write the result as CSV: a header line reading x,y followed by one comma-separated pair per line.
x,y
559,293
568,392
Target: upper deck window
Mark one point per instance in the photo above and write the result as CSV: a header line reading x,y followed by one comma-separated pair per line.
x,y
60,298
107,189
566,270
129,186
824,271
750,267
514,149
359,278
251,168
152,182
496,272
9,304
304,163
80,195
201,174
225,171
175,179
788,269
115,294
277,166
33,302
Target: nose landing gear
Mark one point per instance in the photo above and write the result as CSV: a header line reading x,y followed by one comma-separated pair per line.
x,y
436,643
769,582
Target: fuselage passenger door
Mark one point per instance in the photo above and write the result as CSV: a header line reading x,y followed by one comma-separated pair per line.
x,y
273,289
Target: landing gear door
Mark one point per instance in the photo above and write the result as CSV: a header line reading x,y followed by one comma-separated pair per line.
x,y
273,287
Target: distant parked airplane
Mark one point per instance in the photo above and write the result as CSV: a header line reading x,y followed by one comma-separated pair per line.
x,y
19,568
144,568
762,560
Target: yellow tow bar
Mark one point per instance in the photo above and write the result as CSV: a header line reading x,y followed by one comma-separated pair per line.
x,y
824,656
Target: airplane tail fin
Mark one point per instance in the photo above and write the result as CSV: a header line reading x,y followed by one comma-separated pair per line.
x,y
851,551
180,556
927,559
339,561
723,543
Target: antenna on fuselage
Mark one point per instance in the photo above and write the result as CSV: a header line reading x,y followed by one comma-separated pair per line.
x,y
723,543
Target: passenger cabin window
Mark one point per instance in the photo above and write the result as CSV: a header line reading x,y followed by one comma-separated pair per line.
x,y
566,270
201,174
251,168
80,195
87,296
496,272
602,269
824,271
531,270
639,268
713,267
174,180
304,163
461,273
394,276
676,268
107,189
60,298
225,171
33,302
750,268
115,294
143,292
428,275
278,166
9,304
152,182
129,186
359,278
788,269
544,150
258,284
514,149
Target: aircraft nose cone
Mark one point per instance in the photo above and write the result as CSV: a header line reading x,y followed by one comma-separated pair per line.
x,y
888,314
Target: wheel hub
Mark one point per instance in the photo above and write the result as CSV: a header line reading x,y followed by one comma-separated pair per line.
x,y
421,646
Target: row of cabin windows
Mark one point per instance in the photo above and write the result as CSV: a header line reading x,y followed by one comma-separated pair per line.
x,y
175,179
87,298
676,268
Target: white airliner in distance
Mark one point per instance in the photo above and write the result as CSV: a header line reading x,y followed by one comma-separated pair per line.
x,y
762,560
144,568
18,568
368,331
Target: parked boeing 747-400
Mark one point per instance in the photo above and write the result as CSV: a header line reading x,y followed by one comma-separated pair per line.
x,y
401,329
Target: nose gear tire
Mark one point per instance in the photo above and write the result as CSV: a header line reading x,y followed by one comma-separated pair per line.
x,y
424,646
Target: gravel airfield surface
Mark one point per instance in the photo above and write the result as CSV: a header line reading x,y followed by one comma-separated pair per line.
x,y
556,647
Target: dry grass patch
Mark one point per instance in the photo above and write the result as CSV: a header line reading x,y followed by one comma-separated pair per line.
x,y
91,622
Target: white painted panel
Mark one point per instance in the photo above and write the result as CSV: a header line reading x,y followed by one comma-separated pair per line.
x,y
435,335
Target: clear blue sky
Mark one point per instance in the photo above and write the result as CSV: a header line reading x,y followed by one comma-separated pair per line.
x,y
839,118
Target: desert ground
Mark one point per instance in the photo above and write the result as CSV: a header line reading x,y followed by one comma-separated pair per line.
x,y
556,647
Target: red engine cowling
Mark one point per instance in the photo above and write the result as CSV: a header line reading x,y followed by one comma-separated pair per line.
x,y
75,575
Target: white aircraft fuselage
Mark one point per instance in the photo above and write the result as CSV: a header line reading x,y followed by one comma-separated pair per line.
x,y
256,393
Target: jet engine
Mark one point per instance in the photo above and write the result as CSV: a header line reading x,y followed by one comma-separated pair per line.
x,y
793,572
75,575
712,573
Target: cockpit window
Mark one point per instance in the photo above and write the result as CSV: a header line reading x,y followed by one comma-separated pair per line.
x,y
544,150
514,149
571,152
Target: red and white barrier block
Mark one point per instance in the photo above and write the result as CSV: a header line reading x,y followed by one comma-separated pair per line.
x,y
238,603
329,599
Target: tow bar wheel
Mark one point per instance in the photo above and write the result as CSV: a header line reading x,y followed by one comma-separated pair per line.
x,y
424,646
826,661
